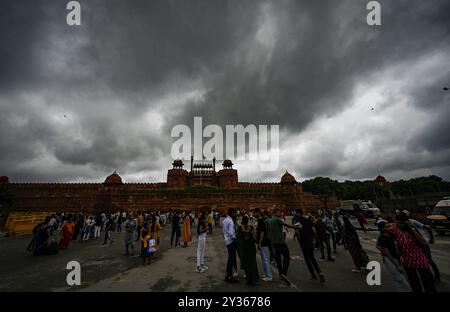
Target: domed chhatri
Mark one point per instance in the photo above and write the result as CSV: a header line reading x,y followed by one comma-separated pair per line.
x,y
227,164
114,178
380,179
288,178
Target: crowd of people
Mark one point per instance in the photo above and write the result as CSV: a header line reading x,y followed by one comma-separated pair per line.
x,y
404,243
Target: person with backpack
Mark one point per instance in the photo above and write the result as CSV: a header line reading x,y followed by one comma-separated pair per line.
x,y
150,240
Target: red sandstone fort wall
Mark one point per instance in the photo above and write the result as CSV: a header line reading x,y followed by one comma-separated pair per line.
x,y
92,197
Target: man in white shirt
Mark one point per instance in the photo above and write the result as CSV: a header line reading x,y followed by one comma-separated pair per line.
x,y
229,234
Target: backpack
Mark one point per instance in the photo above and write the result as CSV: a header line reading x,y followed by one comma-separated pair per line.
x,y
151,246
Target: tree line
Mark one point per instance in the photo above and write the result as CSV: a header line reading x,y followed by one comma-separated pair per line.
x,y
325,188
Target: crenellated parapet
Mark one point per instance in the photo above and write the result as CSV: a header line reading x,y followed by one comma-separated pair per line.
x,y
200,187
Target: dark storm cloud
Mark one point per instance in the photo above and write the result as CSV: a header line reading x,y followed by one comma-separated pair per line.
x,y
251,62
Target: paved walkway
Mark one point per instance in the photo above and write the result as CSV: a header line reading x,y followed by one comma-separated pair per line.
x,y
105,268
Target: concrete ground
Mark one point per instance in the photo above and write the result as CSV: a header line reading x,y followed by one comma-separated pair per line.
x,y
105,268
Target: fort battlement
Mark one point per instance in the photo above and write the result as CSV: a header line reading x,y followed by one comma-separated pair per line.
x,y
201,187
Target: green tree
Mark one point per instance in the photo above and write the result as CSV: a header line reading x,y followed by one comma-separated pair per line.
x,y
323,188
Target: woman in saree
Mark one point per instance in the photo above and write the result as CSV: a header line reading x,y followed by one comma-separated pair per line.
x,y
351,241
66,234
246,244
187,237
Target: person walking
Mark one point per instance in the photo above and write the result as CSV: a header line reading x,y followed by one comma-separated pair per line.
x,y
87,229
79,224
210,222
279,244
351,240
267,218
187,237
332,229
415,261
391,258
66,234
120,220
246,244
229,234
323,238
361,220
150,240
140,224
108,230
340,229
305,233
202,229
263,245
97,225
175,229
130,230
428,236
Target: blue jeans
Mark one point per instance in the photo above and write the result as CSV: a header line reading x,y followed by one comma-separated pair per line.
x,y
265,258
400,281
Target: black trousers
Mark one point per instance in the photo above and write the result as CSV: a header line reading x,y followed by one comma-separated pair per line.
x,y
420,277
426,249
281,250
176,232
272,254
310,260
324,242
231,263
107,236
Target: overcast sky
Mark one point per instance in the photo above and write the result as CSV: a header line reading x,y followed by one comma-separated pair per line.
x,y
352,101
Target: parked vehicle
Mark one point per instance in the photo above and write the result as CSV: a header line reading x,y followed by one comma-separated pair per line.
x,y
371,209
351,207
439,218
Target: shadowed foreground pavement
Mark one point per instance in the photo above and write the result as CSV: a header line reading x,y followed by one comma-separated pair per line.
x,y
105,268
